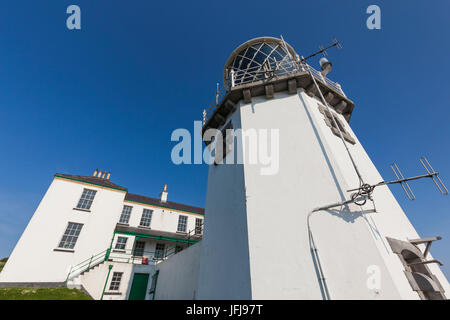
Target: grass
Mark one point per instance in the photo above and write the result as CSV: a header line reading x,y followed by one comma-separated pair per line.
x,y
2,263
59,293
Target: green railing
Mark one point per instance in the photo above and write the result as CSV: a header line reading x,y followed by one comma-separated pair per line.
x,y
88,264
134,256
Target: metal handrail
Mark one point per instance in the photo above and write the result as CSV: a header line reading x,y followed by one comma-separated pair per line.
x,y
274,69
126,255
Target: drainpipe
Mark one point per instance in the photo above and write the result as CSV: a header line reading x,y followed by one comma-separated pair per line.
x,y
108,251
106,282
315,251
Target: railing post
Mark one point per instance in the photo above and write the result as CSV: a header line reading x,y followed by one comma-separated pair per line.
x,y
89,265
232,77
108,251
68,275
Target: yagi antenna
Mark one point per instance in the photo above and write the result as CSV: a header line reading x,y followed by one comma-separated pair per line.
x,y
323,50
431,173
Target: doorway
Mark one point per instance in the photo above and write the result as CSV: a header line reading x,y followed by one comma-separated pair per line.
x,y
138,289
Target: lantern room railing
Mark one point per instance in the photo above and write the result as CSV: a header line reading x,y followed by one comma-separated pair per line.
x,y
270,71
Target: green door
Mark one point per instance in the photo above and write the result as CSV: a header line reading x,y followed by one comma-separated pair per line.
x,y
139,286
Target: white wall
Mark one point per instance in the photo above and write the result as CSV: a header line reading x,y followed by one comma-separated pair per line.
x,y
33,258
389,220
94,280
178,276
162,219
225,260
275,258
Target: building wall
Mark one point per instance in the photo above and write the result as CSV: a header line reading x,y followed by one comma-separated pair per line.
x,y
94,281
34,259
178,276
314,170
389,220
162,218
225,260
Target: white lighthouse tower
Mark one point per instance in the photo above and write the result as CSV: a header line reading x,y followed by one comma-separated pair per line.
x,y
297,232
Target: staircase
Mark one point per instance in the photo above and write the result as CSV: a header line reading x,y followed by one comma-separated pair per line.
x,y
85,266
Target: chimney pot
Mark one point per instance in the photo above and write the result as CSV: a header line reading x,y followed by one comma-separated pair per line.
x,y
163,195
109,174
95,172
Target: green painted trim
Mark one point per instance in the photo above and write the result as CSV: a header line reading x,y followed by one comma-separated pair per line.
x,y
165,207
92,183
142,235
106,282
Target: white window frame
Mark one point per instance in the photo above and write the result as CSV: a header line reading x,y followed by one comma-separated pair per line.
x,y
126,214
180,223
86,199
145,218
120,243
200,226
72,234
114,285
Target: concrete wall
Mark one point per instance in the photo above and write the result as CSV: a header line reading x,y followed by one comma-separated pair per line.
x,y
389,220
225,260
267,244
178,276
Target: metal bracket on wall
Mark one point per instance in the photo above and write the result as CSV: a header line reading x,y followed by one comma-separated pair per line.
x,y
428,241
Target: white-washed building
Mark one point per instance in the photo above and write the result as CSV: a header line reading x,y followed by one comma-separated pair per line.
x,y
313,223
90,233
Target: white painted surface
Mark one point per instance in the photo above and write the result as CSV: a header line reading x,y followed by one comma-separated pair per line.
x,y
34,259
225,261
178,276
267,247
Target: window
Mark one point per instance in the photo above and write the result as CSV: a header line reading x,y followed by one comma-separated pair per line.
x,y
125,216
419,276
70,236
198,226
146,218
86,199
330,123
139,248
160,249
182,223
121,243
115,281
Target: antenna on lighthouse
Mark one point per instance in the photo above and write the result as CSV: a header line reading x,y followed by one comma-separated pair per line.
x,y
323,50
367,189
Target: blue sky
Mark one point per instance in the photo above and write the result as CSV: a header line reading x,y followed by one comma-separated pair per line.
x,y
109,96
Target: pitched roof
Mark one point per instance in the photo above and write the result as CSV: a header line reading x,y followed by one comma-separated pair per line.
x,y
130,196
167,204
93,180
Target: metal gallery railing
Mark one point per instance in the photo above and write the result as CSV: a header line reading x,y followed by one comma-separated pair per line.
x,y
267,72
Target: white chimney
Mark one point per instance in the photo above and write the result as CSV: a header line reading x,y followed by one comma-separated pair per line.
x,y
163,195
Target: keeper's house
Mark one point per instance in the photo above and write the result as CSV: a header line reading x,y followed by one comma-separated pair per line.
x,y
90,233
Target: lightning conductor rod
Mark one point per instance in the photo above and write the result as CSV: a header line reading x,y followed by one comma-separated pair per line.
x,y
361,181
